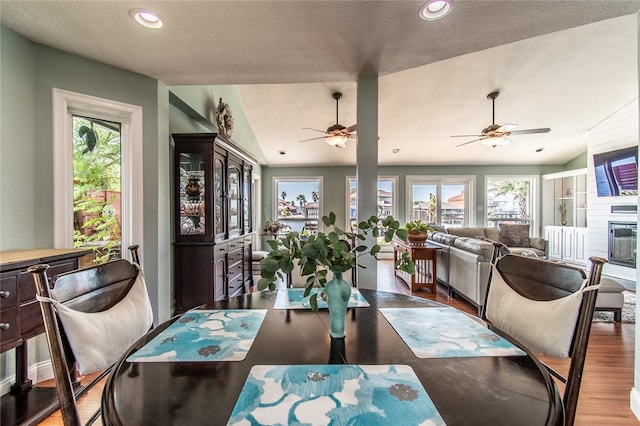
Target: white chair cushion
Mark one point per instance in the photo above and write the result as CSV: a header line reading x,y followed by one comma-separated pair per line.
x,y
544,327
99,339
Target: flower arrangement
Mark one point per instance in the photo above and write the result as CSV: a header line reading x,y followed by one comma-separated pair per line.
x,y
272,227
328,251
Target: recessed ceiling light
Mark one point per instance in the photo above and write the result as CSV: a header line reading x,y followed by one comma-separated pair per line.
x,y
435,9
396,150
281,152
539,149
146,18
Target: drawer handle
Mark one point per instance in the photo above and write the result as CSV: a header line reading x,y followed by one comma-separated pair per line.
x,y
231,258
4,326
221,249
4,294
231,272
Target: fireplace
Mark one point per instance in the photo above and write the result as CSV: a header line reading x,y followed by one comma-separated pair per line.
x,y
622,243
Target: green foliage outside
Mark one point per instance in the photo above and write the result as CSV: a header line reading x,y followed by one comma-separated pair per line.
x,y
96,165
518,189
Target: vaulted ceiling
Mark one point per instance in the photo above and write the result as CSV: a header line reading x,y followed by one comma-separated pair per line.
x,y
566,65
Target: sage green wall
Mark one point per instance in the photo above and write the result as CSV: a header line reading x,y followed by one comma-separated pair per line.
x,y
204,100
580,162
28,72
18,129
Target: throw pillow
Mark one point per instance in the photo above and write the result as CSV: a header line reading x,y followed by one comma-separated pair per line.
x,y
514,235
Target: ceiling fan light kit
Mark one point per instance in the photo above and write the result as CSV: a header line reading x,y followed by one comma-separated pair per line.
x,y
435,9
496,134
336,135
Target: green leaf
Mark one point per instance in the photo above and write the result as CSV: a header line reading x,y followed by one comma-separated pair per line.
x,y
263,283
375,250
270,265
313,301
402,234
325,220
332,218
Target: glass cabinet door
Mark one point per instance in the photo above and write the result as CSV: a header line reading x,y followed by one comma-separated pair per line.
x,y
234,198
219,204
246,199
193,188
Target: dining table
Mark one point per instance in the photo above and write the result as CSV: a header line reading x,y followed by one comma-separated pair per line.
x,y
399,351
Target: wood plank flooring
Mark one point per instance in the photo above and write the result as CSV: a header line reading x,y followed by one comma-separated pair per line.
x,y
606,384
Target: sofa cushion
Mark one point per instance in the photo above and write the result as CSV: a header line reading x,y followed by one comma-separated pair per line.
x,y
466,232
514,235
483,248
492,233
437,228
523,251
538,243
441,237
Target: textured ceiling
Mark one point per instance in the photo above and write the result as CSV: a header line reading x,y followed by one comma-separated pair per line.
x,y
288,56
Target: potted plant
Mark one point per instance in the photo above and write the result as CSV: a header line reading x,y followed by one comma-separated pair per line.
x,y
272,227
325,252
417,230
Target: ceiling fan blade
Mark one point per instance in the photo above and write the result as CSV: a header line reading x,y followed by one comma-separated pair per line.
x,y
351,128
315,130
467,136
312,139
529,131
467,143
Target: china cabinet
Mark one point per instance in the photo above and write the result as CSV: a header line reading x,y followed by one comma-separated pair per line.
x,y
213,219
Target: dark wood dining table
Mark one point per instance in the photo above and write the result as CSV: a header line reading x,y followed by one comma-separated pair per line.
x,y
483,390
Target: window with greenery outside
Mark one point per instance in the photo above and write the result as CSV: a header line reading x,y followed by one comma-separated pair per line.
x,y
96,187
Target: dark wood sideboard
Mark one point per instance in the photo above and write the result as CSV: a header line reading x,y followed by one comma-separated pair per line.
x,y
21,319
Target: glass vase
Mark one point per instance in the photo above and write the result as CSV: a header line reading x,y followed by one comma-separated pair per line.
x,y
338,292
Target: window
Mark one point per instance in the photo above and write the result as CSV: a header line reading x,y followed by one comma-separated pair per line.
x,y
298,203
387,203
97,187
511,199
441,200
75,109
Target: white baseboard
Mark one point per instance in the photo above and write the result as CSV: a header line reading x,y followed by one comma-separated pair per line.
x,y
635,402
37,373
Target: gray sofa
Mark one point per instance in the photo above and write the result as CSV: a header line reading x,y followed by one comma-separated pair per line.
x,y
463,262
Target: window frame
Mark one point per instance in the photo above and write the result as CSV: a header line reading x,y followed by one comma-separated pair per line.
x,y
534,189
394,196
277,179
468,181
65,105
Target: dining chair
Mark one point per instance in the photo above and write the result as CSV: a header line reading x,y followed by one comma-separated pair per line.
x,y
91,316
547,308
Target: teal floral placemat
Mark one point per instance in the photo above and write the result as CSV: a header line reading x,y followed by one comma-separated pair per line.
x,y
446,333
217,335
334,394
293,298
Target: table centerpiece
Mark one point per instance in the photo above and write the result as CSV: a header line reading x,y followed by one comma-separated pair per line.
x,y
336,251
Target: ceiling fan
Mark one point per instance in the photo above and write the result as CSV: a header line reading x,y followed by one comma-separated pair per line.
x,y
496,134
336,135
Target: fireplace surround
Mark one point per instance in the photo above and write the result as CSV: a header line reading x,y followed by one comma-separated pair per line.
x,y
622,243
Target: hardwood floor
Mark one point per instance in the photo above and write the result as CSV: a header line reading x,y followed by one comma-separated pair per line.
x,y
606,384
